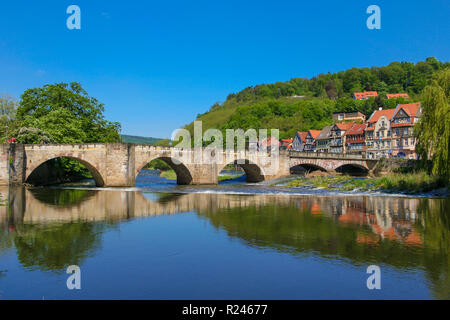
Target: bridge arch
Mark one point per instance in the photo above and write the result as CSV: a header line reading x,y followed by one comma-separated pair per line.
x,y
33,171
307,167
253,172
353,169
184,175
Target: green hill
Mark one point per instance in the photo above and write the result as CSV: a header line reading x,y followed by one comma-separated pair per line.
x,y
139,140
301,104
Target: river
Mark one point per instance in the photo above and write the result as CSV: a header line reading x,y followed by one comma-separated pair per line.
x,y
232,241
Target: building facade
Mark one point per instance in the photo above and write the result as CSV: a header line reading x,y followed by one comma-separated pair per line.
x,y
403,120
349,116
299,141
355,138
323,140
337,136
378,134
310,142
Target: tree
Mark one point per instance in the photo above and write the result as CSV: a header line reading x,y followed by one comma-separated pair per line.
x,y
63,113
433,130
33,136
67,113
163,143
8,106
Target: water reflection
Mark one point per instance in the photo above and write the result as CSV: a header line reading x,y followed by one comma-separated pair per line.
x,y
52,228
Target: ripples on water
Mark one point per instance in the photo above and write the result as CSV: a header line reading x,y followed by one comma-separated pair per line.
x,y
236,240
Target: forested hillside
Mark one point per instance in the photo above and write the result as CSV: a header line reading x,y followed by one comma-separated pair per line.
x,y
301,104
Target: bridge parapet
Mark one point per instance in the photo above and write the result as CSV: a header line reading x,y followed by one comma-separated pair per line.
x,y
325,155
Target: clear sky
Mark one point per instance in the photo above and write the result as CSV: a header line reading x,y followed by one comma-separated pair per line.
x,y
157,64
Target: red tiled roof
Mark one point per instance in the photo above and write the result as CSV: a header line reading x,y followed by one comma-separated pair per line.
x,y
397,95
388,113
365,94
302,135
410,108
357,128
314,133
344,126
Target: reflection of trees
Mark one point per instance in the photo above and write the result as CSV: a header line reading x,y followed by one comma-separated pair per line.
x,y
435,227
53,228
55,247
62,197
288,229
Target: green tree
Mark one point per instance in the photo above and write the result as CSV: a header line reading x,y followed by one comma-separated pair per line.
x,y
433,129
63,113
67,113
163,143
8,123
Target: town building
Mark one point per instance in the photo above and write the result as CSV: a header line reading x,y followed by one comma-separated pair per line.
x,y
397,95
403,120
323,140
349,116
310,143
378,134
354,138
286,144
337,136
299,141
364,95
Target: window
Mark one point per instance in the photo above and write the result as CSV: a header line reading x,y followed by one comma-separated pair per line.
x,y
397,132
406,142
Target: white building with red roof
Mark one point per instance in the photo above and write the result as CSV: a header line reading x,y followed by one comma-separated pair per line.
x,y
404,118
378,134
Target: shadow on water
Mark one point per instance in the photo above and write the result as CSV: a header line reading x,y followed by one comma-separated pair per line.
x,y
52,228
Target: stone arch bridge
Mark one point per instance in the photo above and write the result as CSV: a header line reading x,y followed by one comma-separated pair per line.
x,y
118,164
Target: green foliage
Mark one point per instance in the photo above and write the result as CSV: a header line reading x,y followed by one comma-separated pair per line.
x,y
8,106
163,143
139,140
301,104
63,113
433,129
158,164
32,136
410,183
66,113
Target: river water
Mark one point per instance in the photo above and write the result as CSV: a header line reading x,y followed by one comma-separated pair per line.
x,y
232,241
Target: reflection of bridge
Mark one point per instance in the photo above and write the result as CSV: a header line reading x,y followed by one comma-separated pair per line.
x,y
44,206
117,164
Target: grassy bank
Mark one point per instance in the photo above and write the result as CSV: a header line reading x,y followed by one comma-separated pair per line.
x,y
408,183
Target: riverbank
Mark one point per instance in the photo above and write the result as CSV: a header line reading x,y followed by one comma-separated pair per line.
x,y
413,183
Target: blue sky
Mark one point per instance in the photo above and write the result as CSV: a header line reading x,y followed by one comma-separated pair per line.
x,y
157,64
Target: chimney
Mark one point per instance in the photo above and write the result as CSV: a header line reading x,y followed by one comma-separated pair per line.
x,y
380,108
